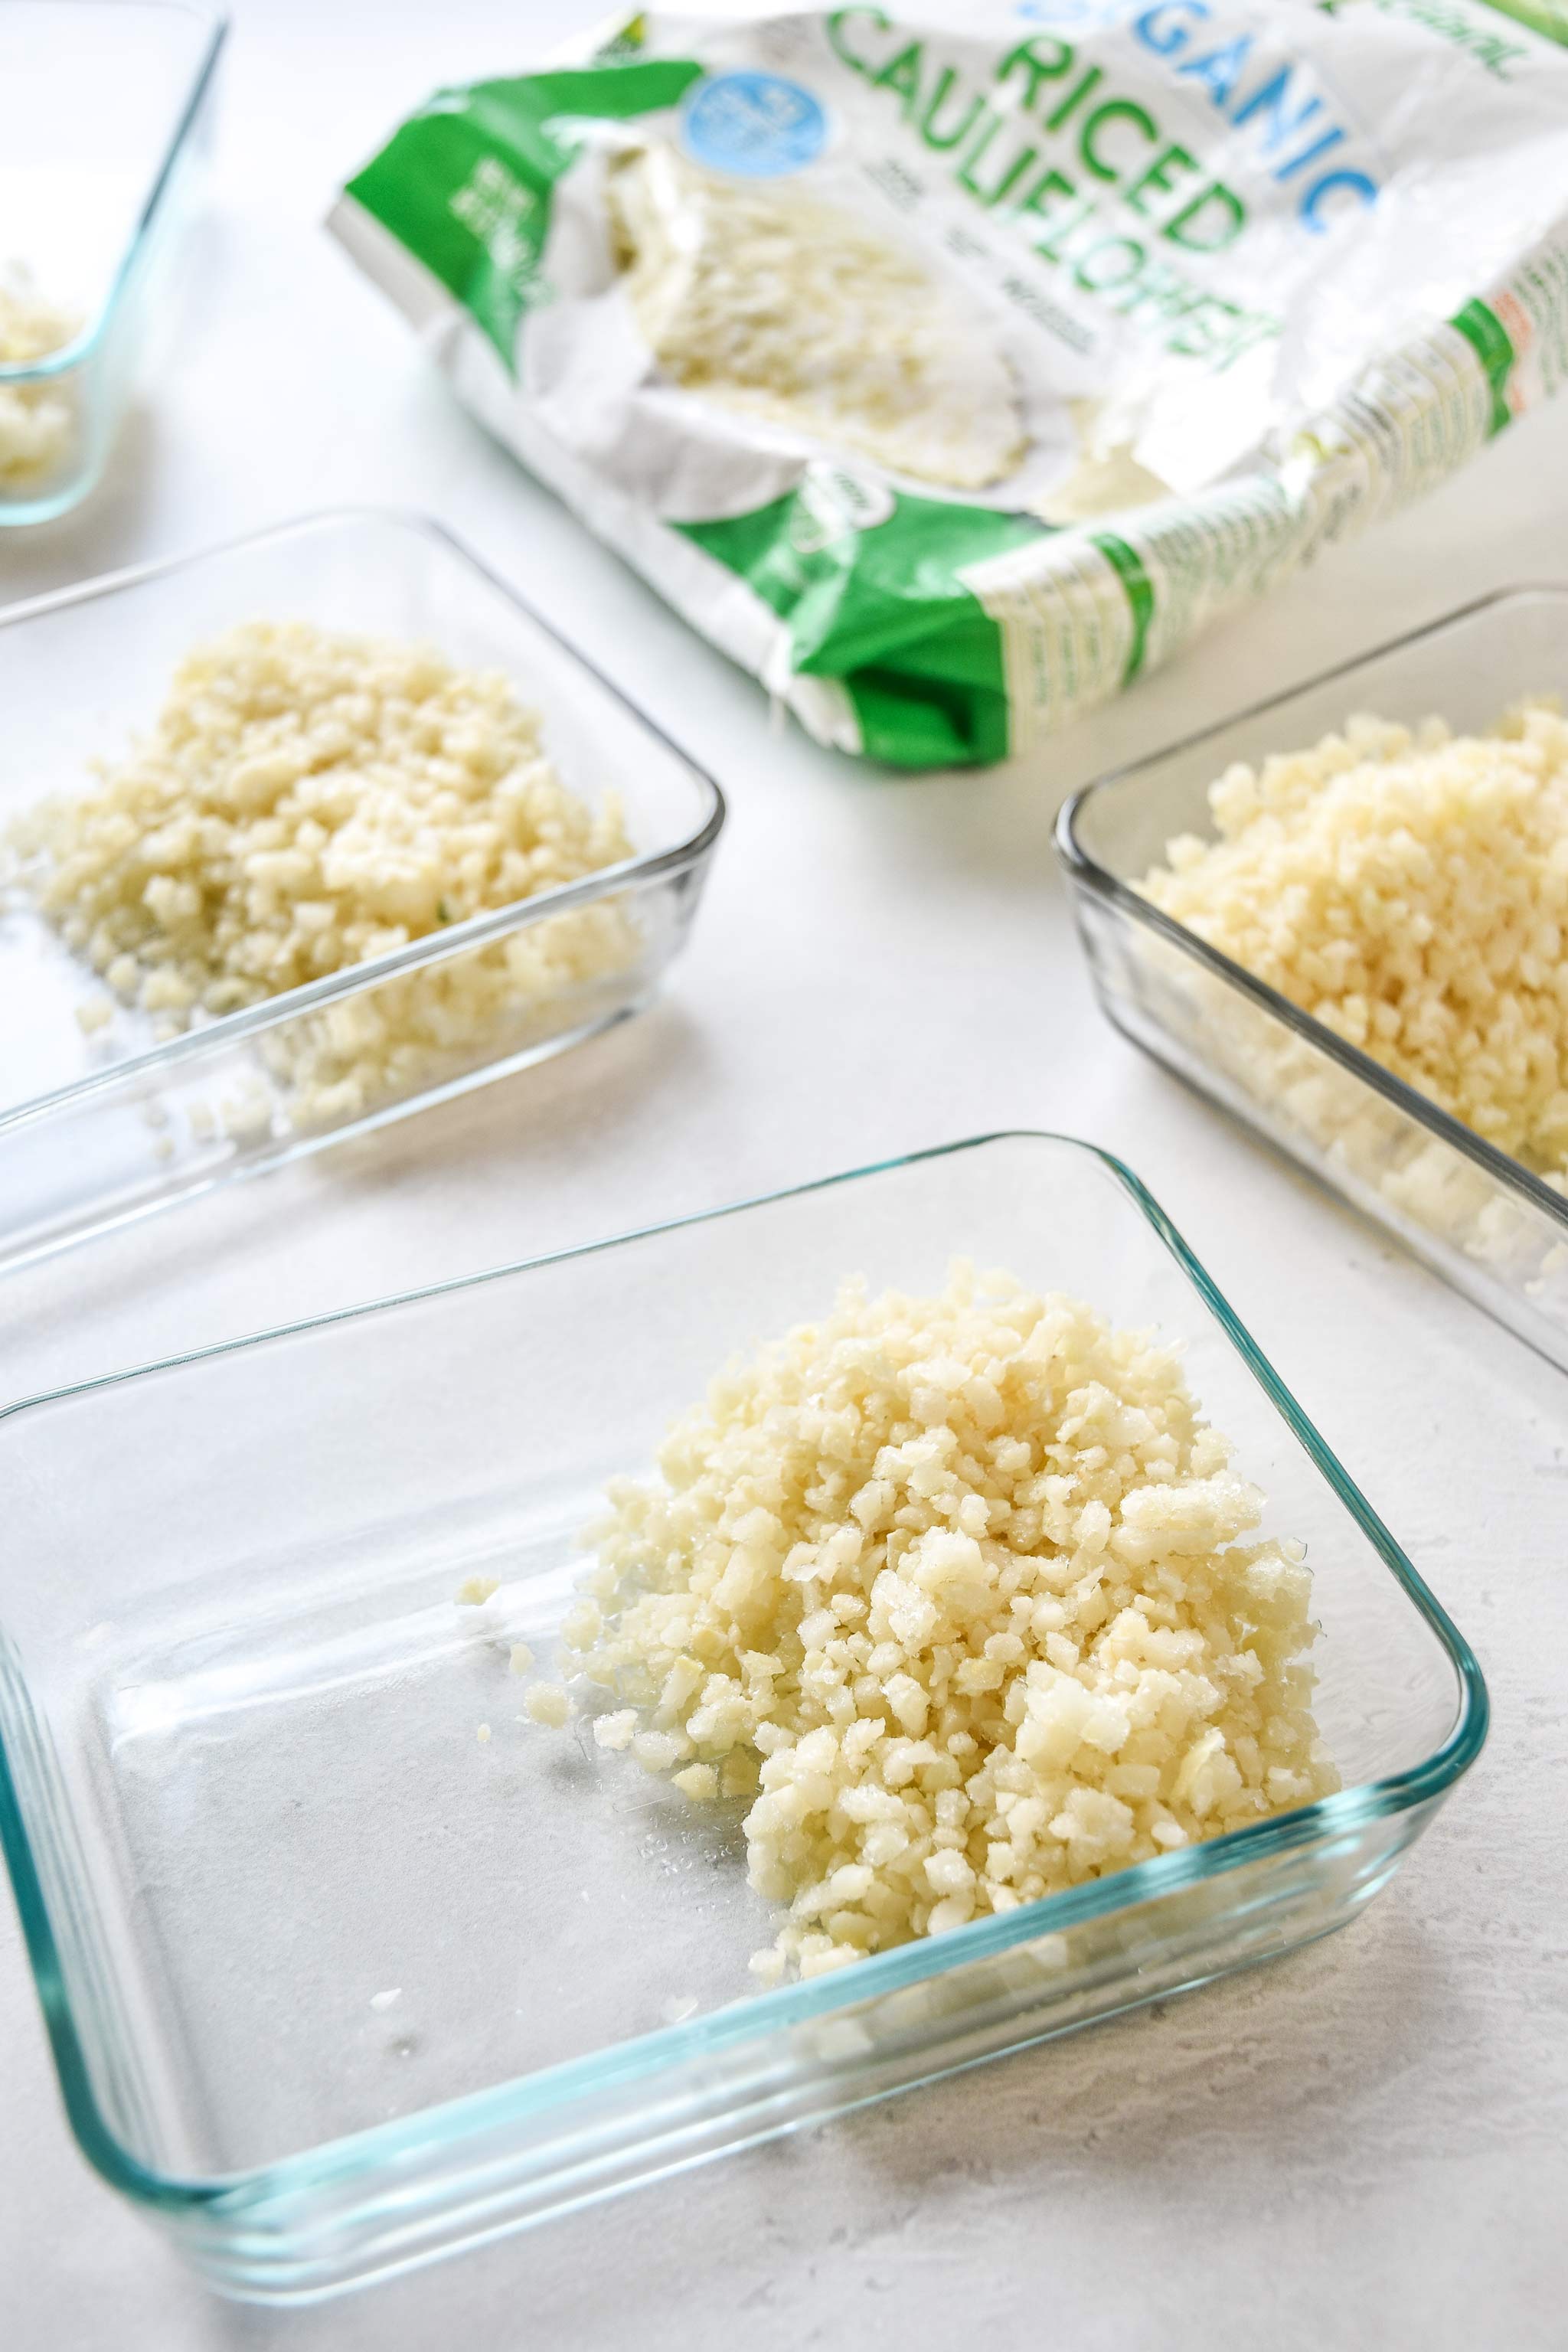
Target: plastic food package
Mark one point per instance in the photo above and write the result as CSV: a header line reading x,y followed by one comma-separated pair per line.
x,y
949,368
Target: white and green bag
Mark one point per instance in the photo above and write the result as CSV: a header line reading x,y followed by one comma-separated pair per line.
x,y
949,367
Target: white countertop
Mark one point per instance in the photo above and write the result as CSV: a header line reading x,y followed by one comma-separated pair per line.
x,y
1364,2146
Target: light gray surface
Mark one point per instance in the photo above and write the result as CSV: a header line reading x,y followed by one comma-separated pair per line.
x,y
1361,2147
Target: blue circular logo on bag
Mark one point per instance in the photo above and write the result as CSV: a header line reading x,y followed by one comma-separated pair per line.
x,y
756,125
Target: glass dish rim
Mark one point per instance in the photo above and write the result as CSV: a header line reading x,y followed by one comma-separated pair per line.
x,y
1500,1166
85,342
437,947
361,2154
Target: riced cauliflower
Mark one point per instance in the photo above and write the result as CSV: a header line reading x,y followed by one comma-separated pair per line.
x,y
793,311
1410,891
307,799
37,415
966,1596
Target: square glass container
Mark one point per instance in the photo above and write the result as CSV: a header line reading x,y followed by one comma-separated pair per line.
x,y
334,1986
104,113
101,1125
1479,1218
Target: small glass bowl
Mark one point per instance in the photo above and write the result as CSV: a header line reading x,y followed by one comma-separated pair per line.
x,y
103,1124
105,107
1479,1218
335,1986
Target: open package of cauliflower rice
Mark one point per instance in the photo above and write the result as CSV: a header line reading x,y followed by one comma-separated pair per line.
x,y
949,366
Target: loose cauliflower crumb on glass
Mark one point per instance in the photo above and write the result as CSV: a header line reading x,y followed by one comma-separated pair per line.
x,y
960,1591
1410,891
548,1703
616,1730
37,416
305,801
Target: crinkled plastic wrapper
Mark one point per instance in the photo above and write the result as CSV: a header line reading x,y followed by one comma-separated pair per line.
x,y
948,370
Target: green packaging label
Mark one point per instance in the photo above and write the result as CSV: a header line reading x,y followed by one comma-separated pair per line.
x,y
951,376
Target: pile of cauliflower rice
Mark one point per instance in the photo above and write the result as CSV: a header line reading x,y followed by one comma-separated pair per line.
x,y
958,1591
1410,890
38,418
305,801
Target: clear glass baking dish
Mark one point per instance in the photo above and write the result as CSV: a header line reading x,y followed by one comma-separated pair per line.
x,y
105,1125
332,1986
105,108
1485,1223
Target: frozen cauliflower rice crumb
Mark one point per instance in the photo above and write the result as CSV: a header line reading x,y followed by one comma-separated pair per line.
x,y
547,1703
956,1586
305,801
794,313
38,418
1410,891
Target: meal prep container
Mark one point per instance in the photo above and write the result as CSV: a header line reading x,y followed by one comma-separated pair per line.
x,y
333,1986
99,1127
104,113
1476,1216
